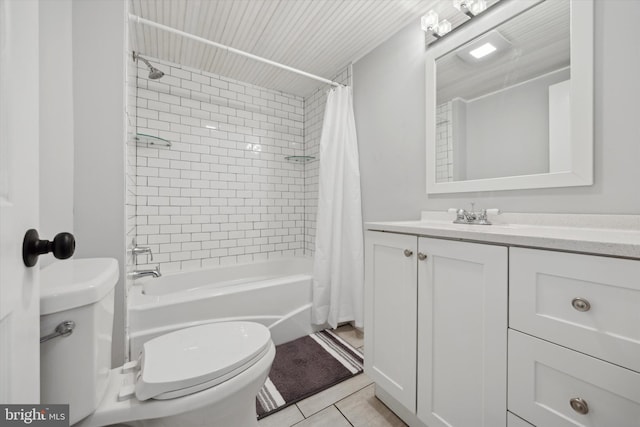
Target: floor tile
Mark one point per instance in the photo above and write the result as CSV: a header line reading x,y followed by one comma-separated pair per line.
x,y
363,409
319,401
353,336
329,417
285,418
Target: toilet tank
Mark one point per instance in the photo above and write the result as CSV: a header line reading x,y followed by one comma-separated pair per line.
x,y
74,369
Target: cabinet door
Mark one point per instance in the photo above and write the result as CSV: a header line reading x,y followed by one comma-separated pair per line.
x,y
513,421
390,314
462,334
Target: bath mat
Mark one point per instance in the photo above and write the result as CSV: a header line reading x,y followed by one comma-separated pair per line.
x,y
304,367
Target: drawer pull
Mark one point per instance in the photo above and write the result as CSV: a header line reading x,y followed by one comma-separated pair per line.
x,y
581,304
422,256
408,253
579,405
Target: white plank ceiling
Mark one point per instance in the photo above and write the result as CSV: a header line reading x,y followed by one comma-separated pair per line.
x,y
317,36
540,39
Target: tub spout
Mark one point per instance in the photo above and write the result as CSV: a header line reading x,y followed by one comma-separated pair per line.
x,y
136,274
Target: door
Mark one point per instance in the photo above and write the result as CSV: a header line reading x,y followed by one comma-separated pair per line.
x,y
391,314
462,334
19,139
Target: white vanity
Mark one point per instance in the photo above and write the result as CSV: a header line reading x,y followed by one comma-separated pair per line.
x,y
534,320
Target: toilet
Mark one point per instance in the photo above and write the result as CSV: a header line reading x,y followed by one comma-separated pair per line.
x,y
207,375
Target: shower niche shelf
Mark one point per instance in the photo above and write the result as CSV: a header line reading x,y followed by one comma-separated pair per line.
x,y
143,138
299,159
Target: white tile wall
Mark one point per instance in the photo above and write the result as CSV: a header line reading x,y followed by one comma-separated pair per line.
x,y
314,106
223,193
444,142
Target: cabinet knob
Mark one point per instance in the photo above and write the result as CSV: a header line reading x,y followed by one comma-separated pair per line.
x,y
408,253
581,304
422,256
579,405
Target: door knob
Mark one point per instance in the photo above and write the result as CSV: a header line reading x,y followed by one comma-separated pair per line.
x,y
63,246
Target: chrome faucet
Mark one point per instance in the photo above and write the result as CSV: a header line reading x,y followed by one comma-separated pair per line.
x,y
473,217
136,274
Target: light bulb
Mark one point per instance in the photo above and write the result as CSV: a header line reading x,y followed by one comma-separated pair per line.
x,y
444,27
478,6
458,4
429,22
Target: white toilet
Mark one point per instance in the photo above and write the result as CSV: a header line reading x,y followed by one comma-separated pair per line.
x,y
206,375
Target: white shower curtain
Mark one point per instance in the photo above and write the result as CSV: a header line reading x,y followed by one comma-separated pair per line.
x,y
338,270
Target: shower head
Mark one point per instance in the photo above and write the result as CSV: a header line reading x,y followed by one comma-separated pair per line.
x,y
154,73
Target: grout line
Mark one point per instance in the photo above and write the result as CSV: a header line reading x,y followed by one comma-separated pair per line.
x,y
343,415
340,400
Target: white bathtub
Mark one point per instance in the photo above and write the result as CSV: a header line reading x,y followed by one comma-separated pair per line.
x,y
276,293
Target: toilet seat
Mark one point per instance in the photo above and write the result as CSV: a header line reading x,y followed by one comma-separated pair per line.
x,y
223,397
193,359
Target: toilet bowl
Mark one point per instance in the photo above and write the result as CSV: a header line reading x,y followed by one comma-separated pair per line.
x,y
207,375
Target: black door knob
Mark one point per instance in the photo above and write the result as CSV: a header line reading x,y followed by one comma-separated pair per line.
x,y
63,246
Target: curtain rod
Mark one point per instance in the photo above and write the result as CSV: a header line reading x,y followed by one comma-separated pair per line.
x,y
140,20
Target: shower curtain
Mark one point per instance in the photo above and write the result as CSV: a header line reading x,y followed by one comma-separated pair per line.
x,y
338,270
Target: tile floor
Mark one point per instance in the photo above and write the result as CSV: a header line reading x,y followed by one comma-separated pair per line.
x,y
350,403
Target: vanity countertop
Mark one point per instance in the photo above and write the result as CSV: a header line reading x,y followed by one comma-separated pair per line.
x,y
613,235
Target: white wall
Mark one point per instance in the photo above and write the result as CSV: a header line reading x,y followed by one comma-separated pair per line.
x,y
512,123
389,110
56,121
99,135
388,88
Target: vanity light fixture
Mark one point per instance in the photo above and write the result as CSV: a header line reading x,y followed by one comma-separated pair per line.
x,y
431,23
437,28
470,8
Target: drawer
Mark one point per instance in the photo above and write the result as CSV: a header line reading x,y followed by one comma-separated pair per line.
x,y
544,288
544,378
513,421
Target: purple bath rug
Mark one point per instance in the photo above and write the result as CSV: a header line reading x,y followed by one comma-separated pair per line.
x,y
304,367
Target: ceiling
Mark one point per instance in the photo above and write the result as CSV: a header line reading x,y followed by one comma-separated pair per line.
x,y
540,39
317,36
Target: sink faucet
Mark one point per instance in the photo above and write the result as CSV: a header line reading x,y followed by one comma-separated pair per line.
x,y
136,274
473,217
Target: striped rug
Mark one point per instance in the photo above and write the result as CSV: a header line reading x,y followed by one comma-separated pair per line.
x,y
304,367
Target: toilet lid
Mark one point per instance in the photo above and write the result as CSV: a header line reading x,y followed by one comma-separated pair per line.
x,y
198,355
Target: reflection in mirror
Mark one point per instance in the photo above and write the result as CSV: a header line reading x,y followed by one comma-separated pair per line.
x,y
502,99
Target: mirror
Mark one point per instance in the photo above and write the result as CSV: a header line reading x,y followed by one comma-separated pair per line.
x,y
510,100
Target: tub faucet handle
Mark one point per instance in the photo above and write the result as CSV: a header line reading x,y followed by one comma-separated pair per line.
x,y
140,250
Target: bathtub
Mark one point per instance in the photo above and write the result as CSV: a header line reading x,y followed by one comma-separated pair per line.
x,y
276,293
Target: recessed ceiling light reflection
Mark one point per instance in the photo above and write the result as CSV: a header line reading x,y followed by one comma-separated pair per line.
x,y
483,50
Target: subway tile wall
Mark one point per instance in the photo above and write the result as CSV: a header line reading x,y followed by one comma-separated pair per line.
x,y
314,106
444,142
223,192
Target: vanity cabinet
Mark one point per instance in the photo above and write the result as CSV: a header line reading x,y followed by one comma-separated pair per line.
x,y
436,314
436,321
574,342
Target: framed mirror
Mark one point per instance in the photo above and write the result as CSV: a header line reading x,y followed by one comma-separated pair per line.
x,y
509,99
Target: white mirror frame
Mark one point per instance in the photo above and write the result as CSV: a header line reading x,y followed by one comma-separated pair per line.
x,y
581,95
